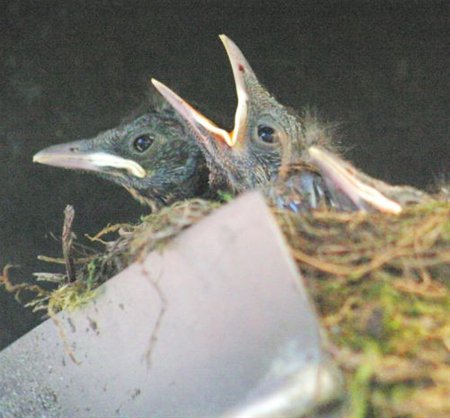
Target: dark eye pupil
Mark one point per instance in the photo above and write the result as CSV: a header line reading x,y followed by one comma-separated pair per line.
x,y
265,133
141,143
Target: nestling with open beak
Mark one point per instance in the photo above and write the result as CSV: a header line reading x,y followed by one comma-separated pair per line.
x,y
155,157
287,155
250,155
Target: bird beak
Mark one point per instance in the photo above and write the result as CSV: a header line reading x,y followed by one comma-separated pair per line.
x,y
244,77
342,178
201,125
79,155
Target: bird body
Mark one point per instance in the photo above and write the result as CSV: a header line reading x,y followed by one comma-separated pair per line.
x,y
153,156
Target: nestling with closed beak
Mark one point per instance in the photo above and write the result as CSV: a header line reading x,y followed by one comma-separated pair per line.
x,y
153,156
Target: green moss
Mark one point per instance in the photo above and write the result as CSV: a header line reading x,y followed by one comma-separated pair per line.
x,y
225,196
381,284
360,385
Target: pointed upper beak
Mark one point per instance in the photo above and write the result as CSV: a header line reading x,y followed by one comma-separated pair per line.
x,y
243,75
78,155
342,178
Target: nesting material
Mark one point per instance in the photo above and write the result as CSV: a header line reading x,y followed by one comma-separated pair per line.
x,y
380,284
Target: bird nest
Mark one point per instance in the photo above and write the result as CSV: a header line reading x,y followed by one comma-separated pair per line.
x,y
381,287
380,284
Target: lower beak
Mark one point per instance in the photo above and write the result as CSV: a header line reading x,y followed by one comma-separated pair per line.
x,y
73,155
201,125
342,179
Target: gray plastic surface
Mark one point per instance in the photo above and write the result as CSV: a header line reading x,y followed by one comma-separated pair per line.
x,y
217,320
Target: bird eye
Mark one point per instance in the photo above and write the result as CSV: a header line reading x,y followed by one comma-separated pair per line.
x,y
141,143
266,134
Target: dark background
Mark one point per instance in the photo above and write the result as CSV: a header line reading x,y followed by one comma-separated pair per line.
x,y
68,71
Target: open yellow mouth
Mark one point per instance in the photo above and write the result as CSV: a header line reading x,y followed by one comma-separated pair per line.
x,y
196,120
241,69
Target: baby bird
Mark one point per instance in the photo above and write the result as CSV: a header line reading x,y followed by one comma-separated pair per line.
x,y
154,157
250,155
290,157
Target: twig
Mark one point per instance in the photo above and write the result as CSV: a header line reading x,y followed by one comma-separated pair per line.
x,y
67,237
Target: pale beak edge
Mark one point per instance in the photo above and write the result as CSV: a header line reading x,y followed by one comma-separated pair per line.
x,y
358,192
192,116
89,161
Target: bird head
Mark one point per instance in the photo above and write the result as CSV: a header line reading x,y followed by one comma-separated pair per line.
x,y
265,134
152,156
